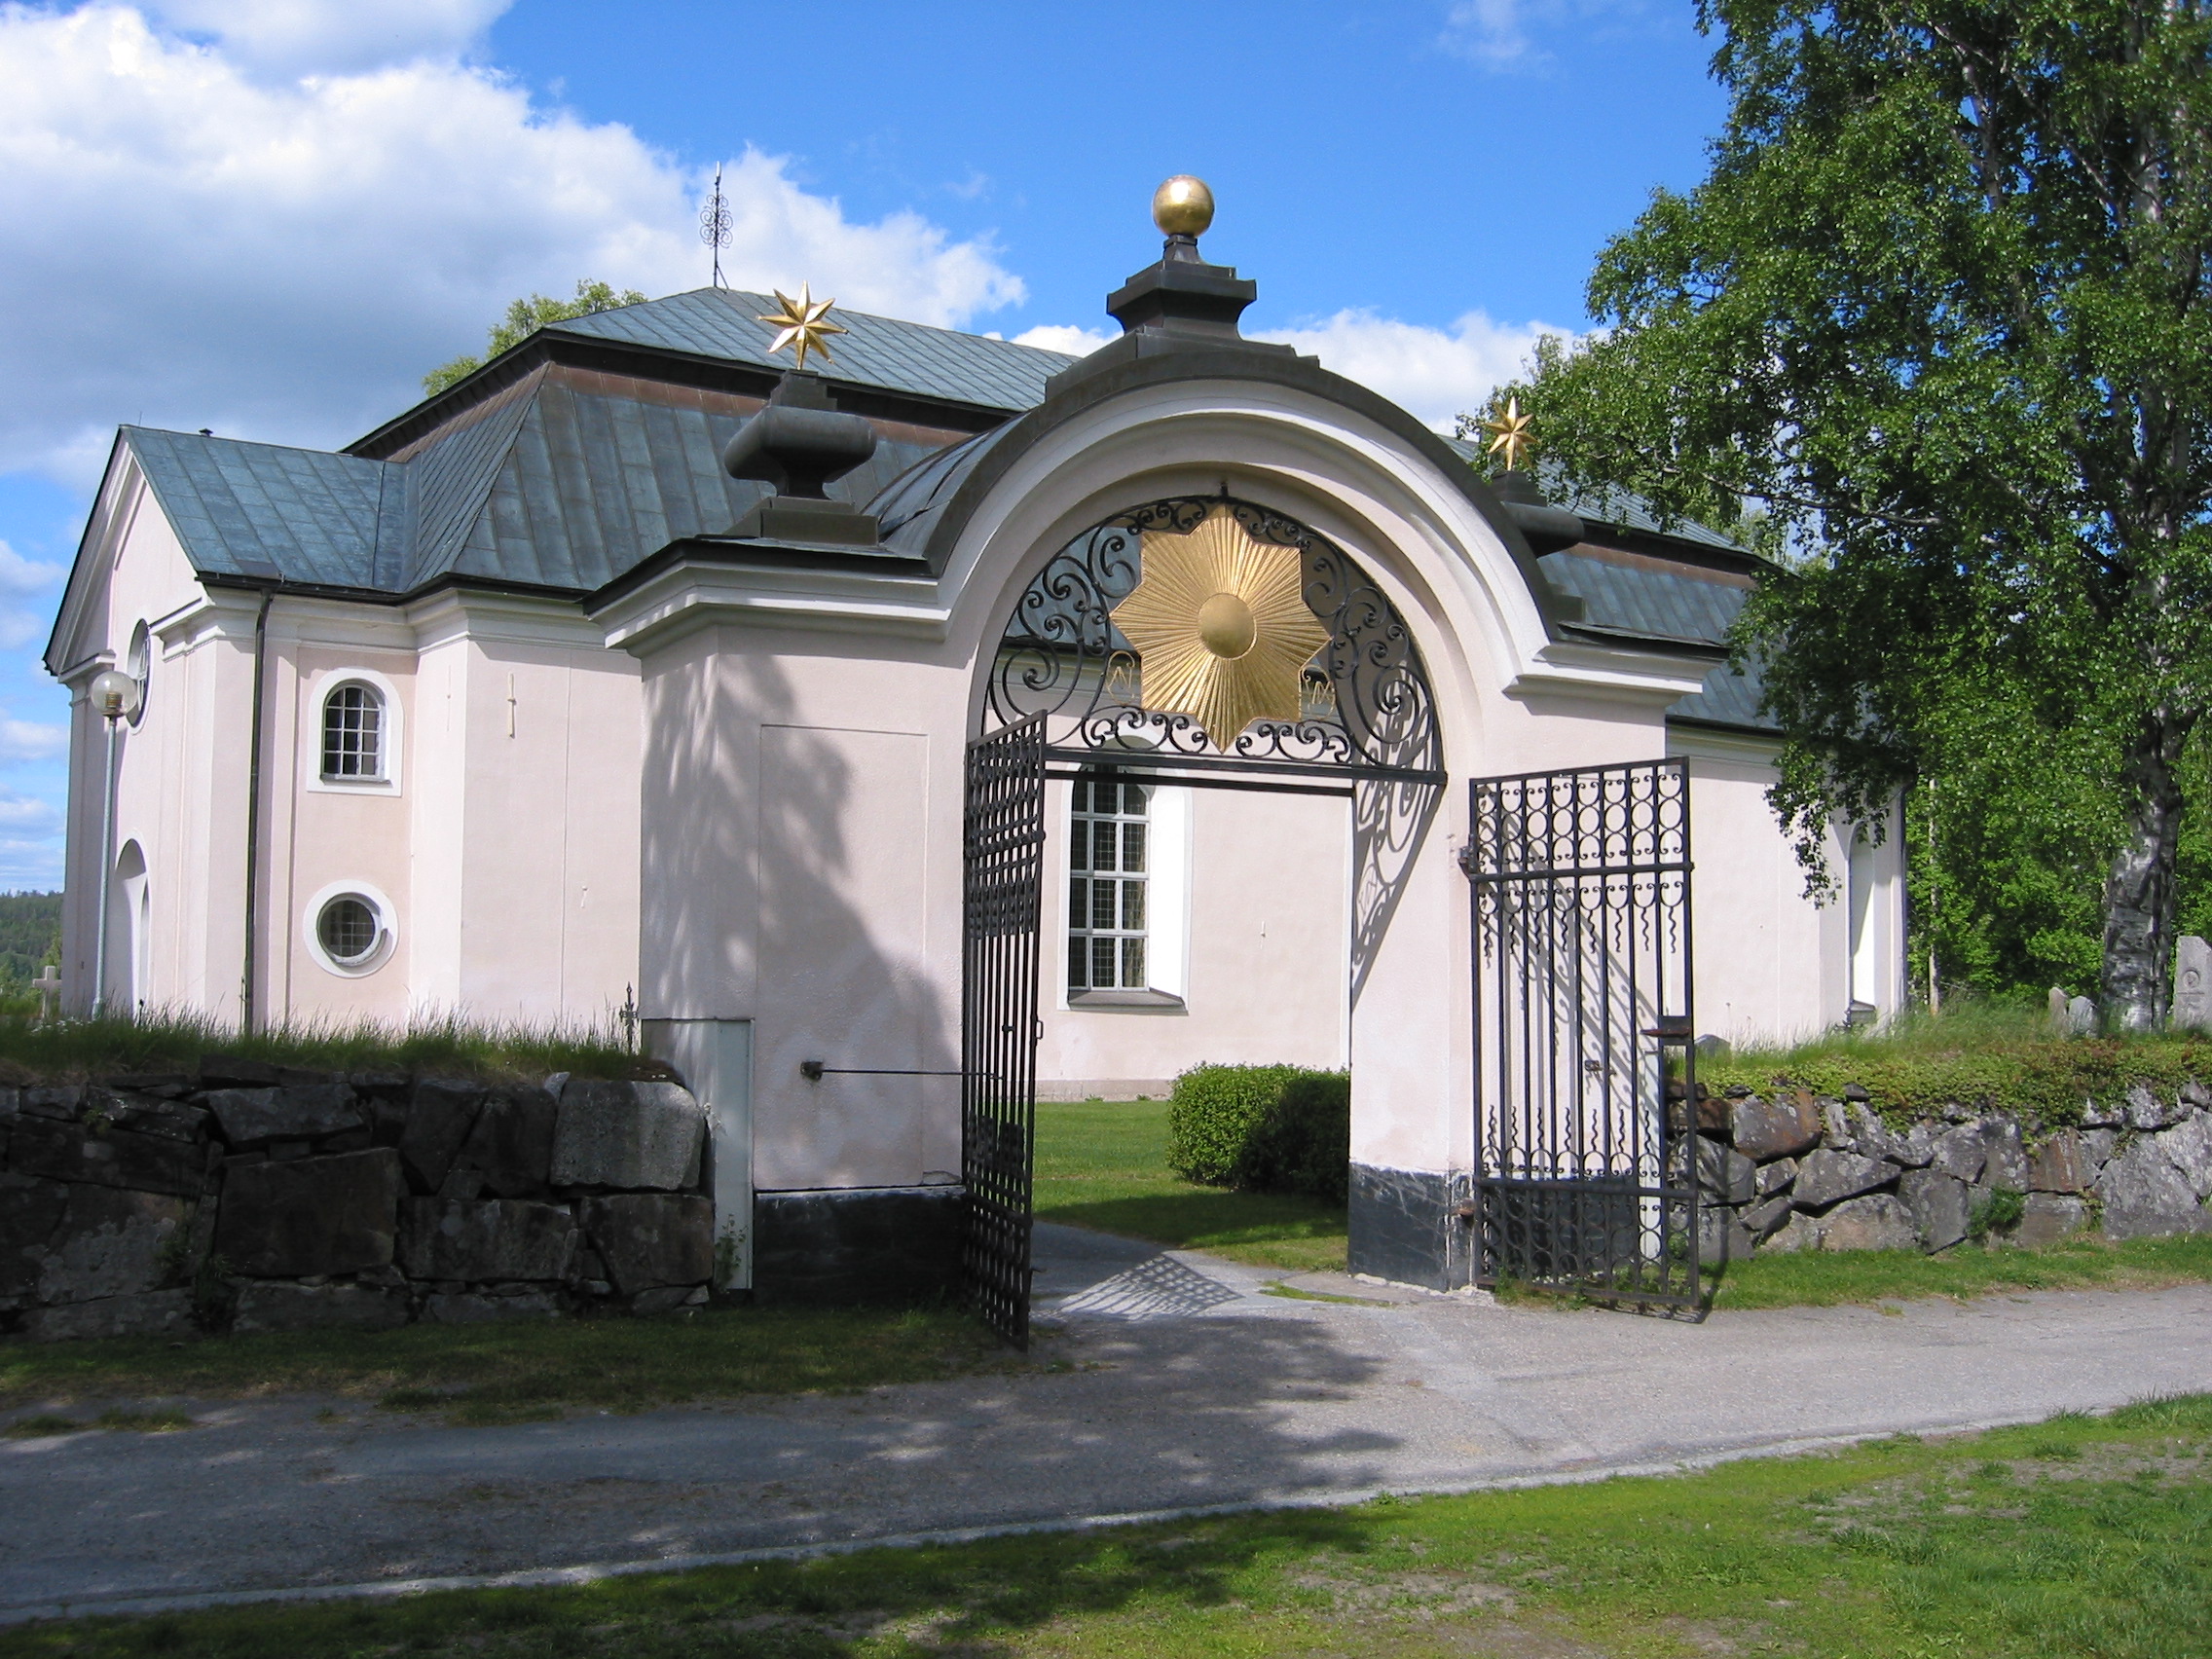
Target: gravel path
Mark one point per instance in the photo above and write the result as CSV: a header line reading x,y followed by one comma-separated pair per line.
x,y
1186,1386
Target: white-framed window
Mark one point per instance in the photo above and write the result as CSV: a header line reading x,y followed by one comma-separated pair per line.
x,y
350,736
353,733
1109,885
139,663
350,929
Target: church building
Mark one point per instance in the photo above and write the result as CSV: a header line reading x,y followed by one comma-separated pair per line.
x,y
933,723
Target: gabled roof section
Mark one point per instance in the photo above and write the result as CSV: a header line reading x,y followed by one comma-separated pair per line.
x,y
263,510
878,351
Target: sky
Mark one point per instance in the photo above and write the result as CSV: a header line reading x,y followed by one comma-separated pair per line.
x,y
270,217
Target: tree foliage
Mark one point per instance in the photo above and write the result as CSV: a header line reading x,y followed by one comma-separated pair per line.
x,y
526,317
1938,315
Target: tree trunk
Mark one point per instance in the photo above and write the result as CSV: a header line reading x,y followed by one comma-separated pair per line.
x,y
2139,887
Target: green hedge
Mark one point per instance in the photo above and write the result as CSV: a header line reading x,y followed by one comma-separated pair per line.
x,y
1262,1128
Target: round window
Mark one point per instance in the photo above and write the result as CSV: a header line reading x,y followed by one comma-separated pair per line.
x,y
348,930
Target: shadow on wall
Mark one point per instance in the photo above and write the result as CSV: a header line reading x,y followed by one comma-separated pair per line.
x,y
789,870
1389,821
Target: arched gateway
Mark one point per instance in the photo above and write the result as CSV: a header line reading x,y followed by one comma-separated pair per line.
x,y
804,744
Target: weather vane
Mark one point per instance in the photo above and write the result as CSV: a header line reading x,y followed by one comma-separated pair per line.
x,y
714,225
1509,432
802,325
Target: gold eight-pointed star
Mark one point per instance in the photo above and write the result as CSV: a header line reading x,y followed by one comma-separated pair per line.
x,y
1509,432
1220,626
802,326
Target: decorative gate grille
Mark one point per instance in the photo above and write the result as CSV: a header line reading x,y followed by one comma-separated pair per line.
x,y
1585,1079
1005,848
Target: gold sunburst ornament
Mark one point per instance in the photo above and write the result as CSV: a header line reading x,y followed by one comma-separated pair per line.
x,y
1220,627
802,325
1509,434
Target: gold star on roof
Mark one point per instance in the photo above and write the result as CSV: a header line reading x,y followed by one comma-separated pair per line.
x,y
802,326
1510,433
1220,627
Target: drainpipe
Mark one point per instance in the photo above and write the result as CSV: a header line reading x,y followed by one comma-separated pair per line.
x,y
248,1011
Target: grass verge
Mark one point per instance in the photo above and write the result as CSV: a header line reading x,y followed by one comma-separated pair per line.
x,y
73,1050
1821,1279
1103,1164
2073,1536
520,1372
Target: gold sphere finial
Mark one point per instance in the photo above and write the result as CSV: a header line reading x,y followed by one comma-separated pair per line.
x,y
1183,206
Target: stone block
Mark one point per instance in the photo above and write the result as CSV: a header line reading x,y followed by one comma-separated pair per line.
x,y
1785,1126
116,1158
234,1071
62,1102
1826,1176
110,1243
276,1304
2188,1149
149,1115
1774,1177
1801,1232
510,1149
1721,1236
2060,1165
2148,1111
439,1118
2125,1223
2005,1160
2143,1182
672,1300
628,1134
651,1239
2192,985
2049,1217
1877,1221
2098,1146
149,1313
1724,1175
469,1307
2080,1017
1960,1152
30,1214
248,1117
1762,1220
1940,1206
336,1214
481,1240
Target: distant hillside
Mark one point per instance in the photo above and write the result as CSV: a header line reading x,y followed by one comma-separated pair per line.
x,y
30,933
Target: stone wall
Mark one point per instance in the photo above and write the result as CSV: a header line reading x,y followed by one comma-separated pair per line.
x,y
1792,1170
250,1197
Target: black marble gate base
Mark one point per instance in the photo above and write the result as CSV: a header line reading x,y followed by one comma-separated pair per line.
x,y
1413,1227
857,1244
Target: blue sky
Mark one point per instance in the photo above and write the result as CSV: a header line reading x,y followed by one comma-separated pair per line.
x,y
271,216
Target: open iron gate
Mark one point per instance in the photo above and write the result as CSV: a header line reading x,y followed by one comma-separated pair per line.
x,y
1004,836
1585,1078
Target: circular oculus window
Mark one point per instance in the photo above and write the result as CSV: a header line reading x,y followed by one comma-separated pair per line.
x,y
351,933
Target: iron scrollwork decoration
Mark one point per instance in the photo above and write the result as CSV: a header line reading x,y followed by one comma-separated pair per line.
x,y
1364,704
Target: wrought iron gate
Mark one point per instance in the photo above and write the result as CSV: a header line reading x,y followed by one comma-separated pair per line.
x,y
1585,1069
1005,848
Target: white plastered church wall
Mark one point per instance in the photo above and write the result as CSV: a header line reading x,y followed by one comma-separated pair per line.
x,y
1508,699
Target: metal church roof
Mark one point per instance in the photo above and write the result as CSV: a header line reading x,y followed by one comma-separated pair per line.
x,y
874,350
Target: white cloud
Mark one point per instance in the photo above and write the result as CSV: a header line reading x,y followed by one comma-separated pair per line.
x,y
18,574
1435,373
27,740
21,815
284,259
333,36
1504,34
1065,337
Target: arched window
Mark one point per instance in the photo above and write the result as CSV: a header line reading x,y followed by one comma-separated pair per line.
x,y
354,733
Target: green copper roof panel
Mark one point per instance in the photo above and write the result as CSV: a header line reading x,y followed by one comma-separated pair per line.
x,y
874,350
263,509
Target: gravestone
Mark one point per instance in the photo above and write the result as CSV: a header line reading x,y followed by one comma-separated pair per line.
x,y
2192,985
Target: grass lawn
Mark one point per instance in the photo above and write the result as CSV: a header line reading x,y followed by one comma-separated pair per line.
x,y
514,1373
1103,1164
2077,1537
1818,1278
